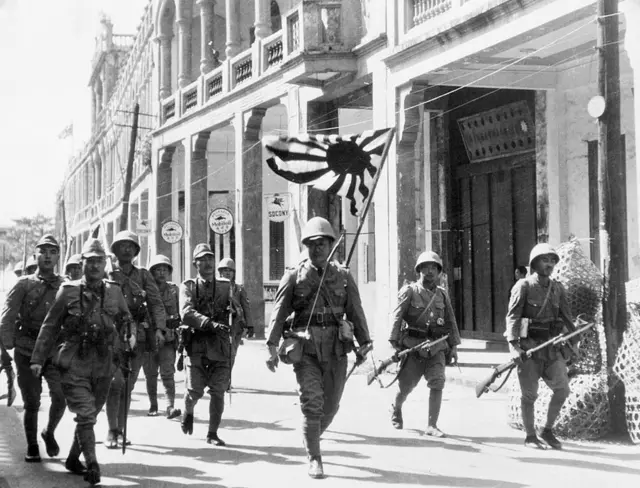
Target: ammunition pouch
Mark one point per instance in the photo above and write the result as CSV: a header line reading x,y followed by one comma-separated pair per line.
x,y
543,331
185,336
173,322
290,350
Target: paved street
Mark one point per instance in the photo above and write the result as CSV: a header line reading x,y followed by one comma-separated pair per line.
x,y
361,449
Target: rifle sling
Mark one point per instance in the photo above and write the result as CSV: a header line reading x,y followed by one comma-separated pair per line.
x,y
498,388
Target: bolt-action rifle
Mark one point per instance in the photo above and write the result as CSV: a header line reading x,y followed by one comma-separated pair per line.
x,y
126,371
397,357
560,340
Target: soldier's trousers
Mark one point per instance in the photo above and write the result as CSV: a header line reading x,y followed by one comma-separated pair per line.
x,y
116,408
320,384
554,373
164,361
213,375
414,369
31,389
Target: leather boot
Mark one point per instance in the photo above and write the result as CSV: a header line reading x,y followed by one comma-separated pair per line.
x,y
316,470
216,407
73,463
170,391
187,423
311,436
152,391
212,438
87,440
173,413
33,454
53,449
396,417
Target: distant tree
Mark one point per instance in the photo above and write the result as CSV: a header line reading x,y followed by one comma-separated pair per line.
x,y
13,240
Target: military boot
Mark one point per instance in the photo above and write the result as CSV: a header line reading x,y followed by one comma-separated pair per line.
x,y
396,417
152,392
212,438
316,469
173,413
53,449
73,463
87,441
547,436
187,423
33,454
112,439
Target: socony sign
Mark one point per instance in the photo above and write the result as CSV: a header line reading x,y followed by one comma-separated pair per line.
x,y
278,206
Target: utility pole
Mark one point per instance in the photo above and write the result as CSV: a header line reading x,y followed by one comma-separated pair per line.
x,y
611,178
126,192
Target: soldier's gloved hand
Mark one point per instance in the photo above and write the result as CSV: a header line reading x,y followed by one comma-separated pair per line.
x,y
453,354
272,362
159,338
36,369
250,332
395,345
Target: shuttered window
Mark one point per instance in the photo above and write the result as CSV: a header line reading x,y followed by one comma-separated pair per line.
x,y
276,250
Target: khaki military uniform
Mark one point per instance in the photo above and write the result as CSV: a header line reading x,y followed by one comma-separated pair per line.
x,y
139,288
25,308
322,371
422,314
88,320
536,313
208,361
164,359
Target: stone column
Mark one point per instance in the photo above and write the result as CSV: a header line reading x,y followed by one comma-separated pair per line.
x,y
164,188
184,50
105,93
207,63
409,99
199,190
143,213
232,24
164,40
263,19
249,251
94,107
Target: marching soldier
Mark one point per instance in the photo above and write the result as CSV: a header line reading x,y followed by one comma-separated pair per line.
x,y
539,310
143,300
89,314
164,359
239,301
32,265
25,308
204,307
426,309
73,268
321,370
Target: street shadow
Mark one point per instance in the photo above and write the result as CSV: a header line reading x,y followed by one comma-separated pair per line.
x,y
422,479
253,391
239,424
574,463
149,476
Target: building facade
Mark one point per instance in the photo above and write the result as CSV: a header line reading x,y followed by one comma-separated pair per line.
x,y
494,149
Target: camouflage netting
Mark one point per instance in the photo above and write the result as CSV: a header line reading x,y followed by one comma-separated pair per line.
x,y
583,282
584,415
632,413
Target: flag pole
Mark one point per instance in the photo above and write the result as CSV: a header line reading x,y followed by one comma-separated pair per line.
x,y
370,198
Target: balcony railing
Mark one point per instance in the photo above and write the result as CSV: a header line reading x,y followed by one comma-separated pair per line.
x,y
190,96
421,11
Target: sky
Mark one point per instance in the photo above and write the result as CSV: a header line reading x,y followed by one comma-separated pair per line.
x,y
46,47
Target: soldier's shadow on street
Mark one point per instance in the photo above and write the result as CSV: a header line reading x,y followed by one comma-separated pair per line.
x,y
586,464
421,479
144,476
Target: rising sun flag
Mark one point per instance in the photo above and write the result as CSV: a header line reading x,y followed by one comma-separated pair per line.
x,y
345,165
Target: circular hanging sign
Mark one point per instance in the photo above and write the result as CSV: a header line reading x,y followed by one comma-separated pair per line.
x,y
596,106
220,221
171,232
278,206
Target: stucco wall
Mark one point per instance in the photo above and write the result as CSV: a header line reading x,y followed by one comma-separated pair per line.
x,y
575,127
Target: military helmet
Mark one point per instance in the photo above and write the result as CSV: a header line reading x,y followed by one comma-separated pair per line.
x,y
48,240
317,227
93,248
74,259
428,257
227,263
201,250
540,250
31,262
159,259
125,236
17,267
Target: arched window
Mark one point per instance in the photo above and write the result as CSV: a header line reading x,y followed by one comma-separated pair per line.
x,y
276,20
